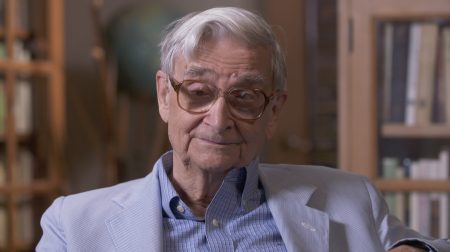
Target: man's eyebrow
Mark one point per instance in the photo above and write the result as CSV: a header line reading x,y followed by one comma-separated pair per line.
x,y
195,71
251,78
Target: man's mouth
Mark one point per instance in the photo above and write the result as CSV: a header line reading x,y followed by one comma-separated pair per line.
x,y
218,141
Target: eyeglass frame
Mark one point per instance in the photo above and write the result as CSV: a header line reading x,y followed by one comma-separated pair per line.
x,y
176,85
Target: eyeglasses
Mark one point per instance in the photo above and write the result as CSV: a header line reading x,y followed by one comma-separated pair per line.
x,y
196,97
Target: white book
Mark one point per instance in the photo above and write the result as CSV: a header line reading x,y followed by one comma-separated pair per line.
x,y
23,107
20,53
412,74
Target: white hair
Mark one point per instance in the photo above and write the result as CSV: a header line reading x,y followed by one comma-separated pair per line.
x,y
184,36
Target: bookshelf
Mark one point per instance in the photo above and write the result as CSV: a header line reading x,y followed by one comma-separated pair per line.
x,y
381,126
32,109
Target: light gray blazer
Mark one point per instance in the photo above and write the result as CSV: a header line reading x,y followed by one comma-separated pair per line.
x,y
315,209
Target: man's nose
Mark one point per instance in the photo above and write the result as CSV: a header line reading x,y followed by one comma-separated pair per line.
x,y
219,115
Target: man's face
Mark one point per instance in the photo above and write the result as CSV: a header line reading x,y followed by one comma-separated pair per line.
x,y
215,141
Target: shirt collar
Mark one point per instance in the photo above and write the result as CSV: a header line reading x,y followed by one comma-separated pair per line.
x,y
251,195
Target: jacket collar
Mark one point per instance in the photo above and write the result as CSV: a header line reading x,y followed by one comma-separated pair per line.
x,y
302,228
138,225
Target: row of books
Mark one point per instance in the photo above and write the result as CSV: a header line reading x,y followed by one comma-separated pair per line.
x,y
425,212
414,72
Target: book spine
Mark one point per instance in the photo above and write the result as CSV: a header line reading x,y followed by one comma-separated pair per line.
x,y
412,78
399,71
427,64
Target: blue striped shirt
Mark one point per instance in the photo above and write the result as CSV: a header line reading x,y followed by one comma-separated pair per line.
x,y
237,219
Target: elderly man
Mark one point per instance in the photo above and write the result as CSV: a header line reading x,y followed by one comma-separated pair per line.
x,y
220,90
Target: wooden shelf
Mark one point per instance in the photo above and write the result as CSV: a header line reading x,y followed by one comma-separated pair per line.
x,y
400,130
41,66
38,186
20,34
413,185
21,138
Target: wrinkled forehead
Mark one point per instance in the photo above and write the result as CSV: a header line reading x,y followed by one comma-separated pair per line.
x,y
226,57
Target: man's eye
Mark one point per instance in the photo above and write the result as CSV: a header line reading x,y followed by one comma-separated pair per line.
x,y
198,90
244,95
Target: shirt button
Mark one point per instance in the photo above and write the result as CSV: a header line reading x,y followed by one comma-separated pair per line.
x,y
215,222
180,209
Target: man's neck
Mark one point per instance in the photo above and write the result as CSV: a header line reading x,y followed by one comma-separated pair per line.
x,y
196,186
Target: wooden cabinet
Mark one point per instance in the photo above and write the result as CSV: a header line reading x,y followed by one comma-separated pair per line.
x,y
366,137
32,108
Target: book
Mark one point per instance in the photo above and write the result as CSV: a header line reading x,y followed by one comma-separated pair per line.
x,y
446,70
385,46
21,54
443,174
439,89
412,75
399,72
426,72
23,106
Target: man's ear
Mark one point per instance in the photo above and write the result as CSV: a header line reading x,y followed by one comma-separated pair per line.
x,y
163,92
275,110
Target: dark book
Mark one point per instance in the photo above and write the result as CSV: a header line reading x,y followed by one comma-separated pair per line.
x,y
385,38
399,72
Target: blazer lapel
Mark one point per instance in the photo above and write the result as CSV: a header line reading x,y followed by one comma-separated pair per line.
x,y
138,227
302,228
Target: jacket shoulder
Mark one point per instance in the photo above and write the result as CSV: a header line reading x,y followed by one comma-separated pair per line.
x,y
311,173
100,202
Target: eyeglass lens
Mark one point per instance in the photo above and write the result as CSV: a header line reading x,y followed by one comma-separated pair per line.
x,y
243,103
